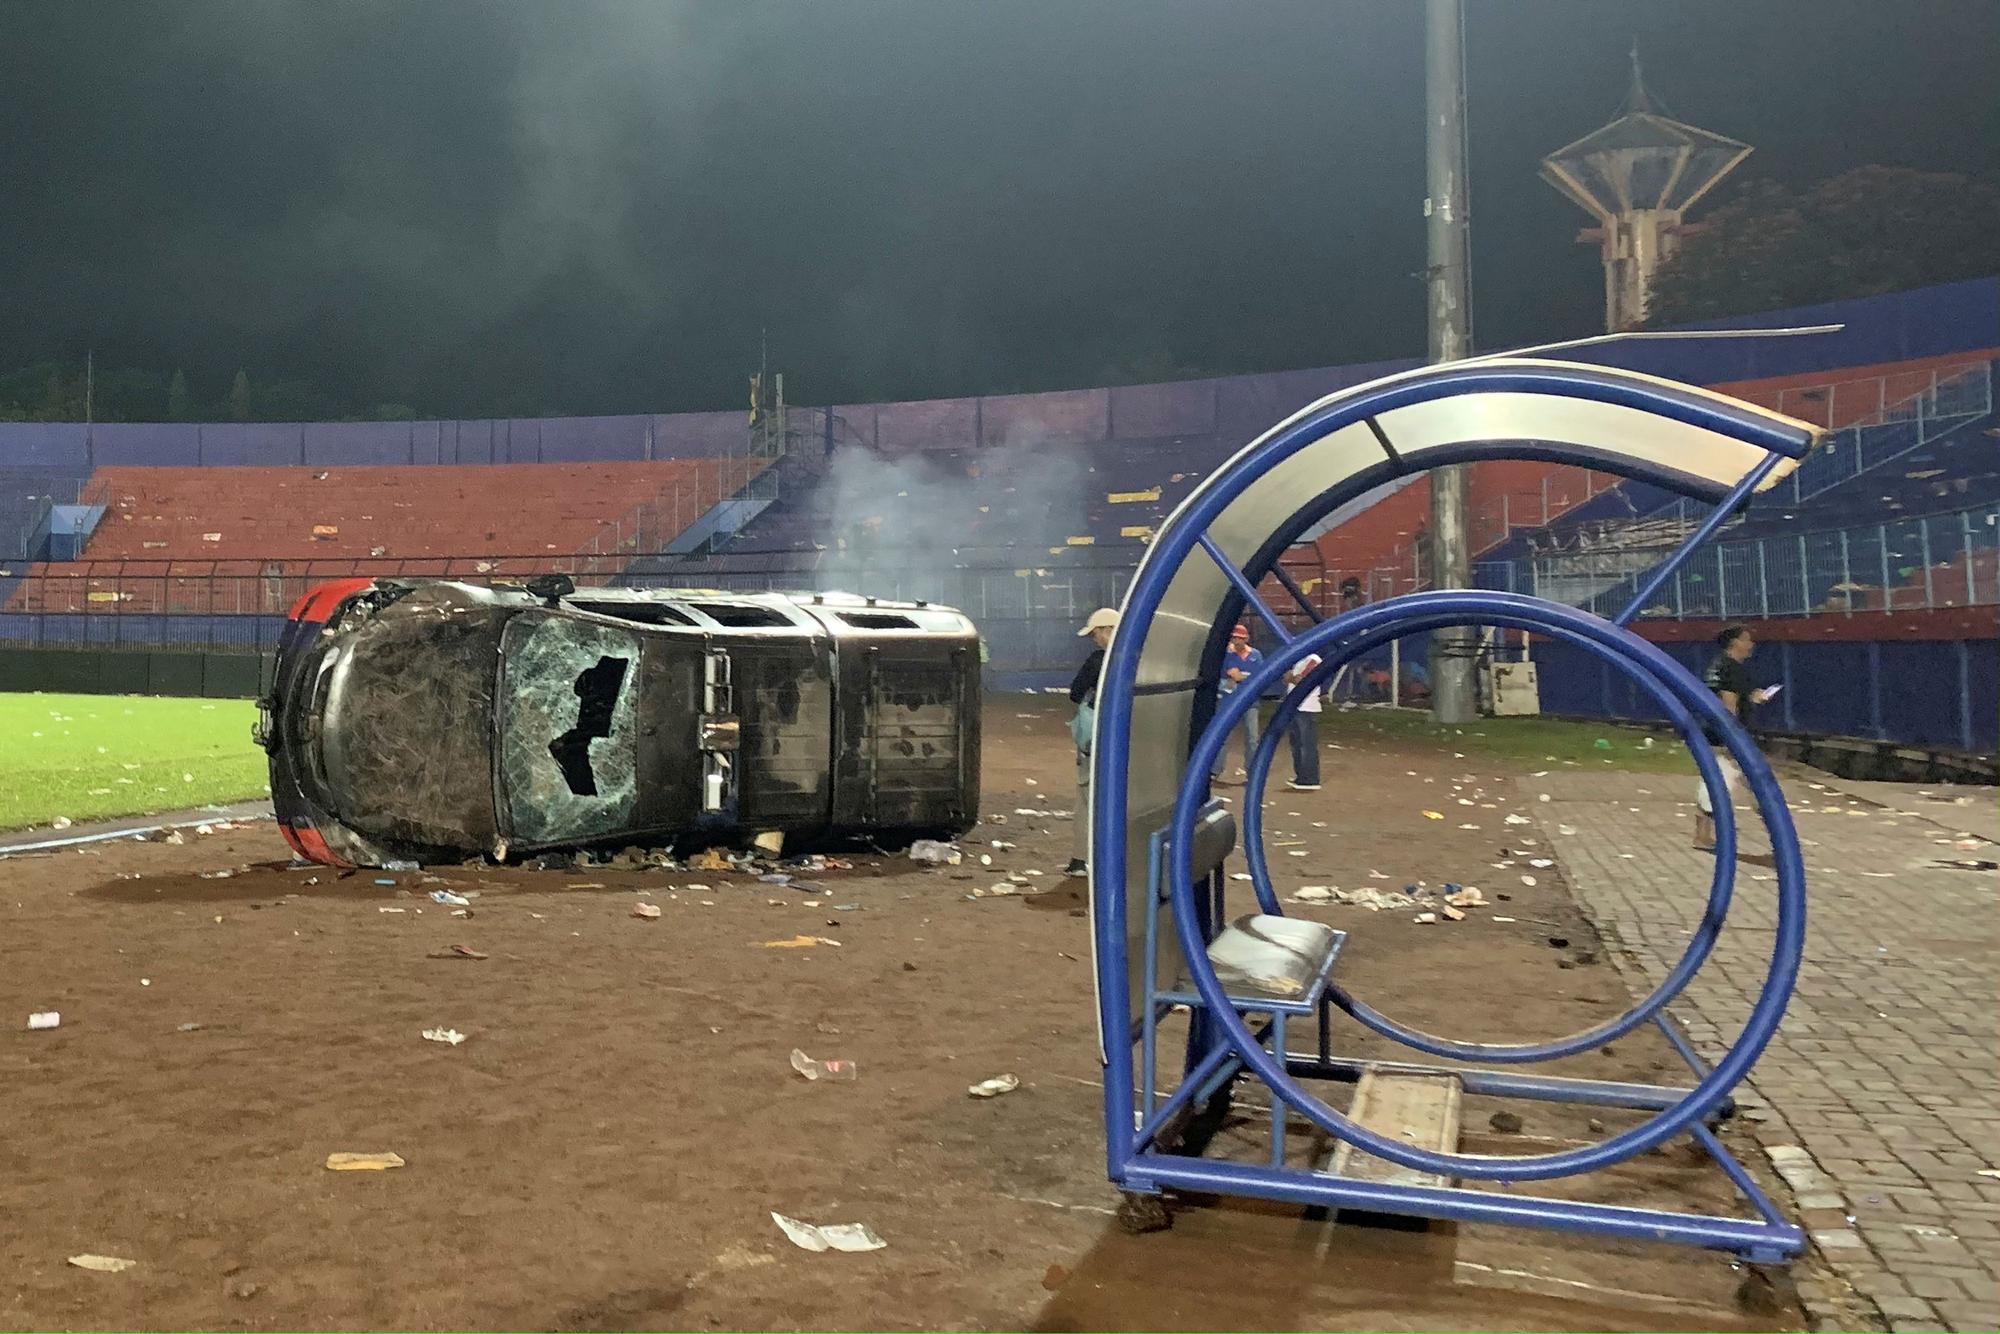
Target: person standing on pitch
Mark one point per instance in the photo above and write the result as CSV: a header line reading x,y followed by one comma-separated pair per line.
x,y
1304,730
1729,677
1083,694
1238,661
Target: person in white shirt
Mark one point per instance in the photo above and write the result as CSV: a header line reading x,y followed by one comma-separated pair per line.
x,y
1304,731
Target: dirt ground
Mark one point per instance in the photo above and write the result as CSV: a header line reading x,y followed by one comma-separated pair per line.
x,y
607,1147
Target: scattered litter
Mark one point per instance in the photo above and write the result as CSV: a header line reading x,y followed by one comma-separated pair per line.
x,y
1434,815
445,896
363,1162
838,1071
1528,880
44,1019
456,952
830,1236
799,943
60,822
102,1264
649,911
1517,819
1425,918
998,890
391,910
771,842
1451,914
1312,894
708,859
931,852
994,1087
1374,874
400,865
385,880
1540,862
175,837
1567,831
1507,1123
188,1028
1469,897
451,1037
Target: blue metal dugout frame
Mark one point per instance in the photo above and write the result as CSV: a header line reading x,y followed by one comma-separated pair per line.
x,y
1162,933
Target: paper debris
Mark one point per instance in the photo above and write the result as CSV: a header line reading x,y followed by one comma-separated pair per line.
x,y
830,1236
649,911
363,1162
818,1070
102,1264
994,1087
1434,815
799,943
451,1037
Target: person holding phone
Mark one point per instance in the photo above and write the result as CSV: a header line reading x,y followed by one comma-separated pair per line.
x,y
1729,677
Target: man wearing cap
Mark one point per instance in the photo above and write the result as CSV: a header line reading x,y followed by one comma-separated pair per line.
x,y
1083,694
1238,661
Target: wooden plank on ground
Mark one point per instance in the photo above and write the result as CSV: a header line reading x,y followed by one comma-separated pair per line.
x,y
1419,1110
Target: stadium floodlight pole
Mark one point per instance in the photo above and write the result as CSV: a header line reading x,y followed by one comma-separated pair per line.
x,y
1447,293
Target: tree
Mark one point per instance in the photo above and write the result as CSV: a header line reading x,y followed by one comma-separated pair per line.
x,y
1861,233
239,397
180,407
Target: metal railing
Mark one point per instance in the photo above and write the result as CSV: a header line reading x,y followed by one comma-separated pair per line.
x,y
1940,561
656,521
1951,399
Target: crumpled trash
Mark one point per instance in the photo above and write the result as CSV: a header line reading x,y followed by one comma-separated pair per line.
x,y
839,1071
998,890
451,1037
709,859
102,1264
770,843
994,1087
445,896
44,1019
829,1236
363,1162
60,822
457,952
649,911
930,852
400,864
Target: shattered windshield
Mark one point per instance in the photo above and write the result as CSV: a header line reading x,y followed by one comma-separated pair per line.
x,y
568,740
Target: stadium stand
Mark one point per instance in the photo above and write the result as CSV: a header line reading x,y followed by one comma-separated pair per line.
x,y
1026,509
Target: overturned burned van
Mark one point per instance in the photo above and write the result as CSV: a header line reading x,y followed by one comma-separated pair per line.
x,y
429,720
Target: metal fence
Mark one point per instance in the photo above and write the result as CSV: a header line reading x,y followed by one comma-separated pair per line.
x,y
1943,560
1951,400
1028,614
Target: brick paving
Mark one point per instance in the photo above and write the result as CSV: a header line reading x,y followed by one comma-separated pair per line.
x,y
1879,1099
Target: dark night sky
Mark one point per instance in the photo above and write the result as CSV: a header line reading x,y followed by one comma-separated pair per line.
x,y
593,207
